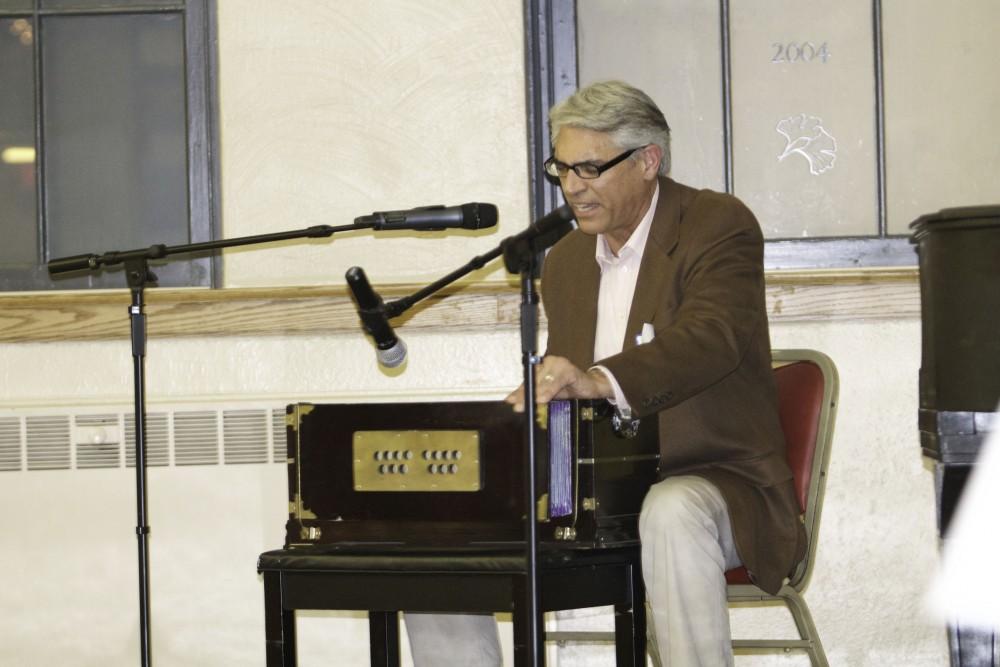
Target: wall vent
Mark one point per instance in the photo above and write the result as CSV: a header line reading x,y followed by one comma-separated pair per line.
x,y
10,443
196,438
278,435
47,438
244,436
98,441
157,439
230,435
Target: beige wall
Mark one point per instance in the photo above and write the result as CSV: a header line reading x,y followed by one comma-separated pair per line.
x,y
330,110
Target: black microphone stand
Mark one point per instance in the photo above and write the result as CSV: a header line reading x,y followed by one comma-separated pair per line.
x,y
138,277
529,359
520,253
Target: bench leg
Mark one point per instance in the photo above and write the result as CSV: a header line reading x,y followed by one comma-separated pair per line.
x,y
279,625
630,624
383,633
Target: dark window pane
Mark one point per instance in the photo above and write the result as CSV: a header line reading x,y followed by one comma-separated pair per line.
x,y
19,247
115,132
104,4
15,4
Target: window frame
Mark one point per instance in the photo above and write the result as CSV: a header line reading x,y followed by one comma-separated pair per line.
x,y
552,74
201,110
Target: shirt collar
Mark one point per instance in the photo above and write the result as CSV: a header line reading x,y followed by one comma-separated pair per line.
x,y
636,243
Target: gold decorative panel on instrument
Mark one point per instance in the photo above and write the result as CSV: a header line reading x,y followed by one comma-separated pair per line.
x,y
411,460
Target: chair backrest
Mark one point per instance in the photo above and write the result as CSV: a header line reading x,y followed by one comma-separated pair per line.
x,y
808,388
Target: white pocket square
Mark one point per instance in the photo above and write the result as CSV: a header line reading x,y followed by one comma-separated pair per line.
x,y
646,335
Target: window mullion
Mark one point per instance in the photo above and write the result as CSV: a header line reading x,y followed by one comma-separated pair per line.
x,y
40,217
879,58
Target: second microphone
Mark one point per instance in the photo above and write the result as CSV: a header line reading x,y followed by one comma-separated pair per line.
x,y
390,350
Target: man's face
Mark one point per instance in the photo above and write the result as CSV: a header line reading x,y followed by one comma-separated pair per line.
x,y
613,203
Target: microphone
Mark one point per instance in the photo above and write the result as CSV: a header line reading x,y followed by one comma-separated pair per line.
x,y
390,350
431,218
541,234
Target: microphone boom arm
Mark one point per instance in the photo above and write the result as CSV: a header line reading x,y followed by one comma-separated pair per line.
x,y
515,249
93,262
401,305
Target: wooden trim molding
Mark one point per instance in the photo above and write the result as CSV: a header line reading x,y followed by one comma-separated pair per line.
x,y
792,296
843,294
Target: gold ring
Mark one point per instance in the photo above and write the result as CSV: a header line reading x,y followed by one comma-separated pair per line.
x,y
548,377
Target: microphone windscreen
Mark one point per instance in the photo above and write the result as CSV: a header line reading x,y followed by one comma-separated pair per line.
x,y
479,216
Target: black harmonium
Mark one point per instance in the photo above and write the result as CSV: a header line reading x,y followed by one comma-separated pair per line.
x,y
453,474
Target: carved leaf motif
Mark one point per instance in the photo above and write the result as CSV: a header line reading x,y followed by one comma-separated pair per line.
x,y
806,136
802,126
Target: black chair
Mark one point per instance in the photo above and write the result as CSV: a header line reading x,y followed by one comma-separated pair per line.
x,y
383,582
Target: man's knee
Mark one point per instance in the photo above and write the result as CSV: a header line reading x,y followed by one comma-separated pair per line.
x,y
674,504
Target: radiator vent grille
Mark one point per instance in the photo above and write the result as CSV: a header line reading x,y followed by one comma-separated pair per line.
x,y
48,442
157,439
196,438
97,440
245,436
106,439
10,443
278,436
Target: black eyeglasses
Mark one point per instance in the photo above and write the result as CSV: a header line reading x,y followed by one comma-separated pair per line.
x,y
588,170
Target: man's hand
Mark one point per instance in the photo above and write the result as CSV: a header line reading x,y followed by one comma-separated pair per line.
x,y
557,378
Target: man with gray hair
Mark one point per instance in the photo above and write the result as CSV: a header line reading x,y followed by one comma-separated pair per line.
x,y
656,303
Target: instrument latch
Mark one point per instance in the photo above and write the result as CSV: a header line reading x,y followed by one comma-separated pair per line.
x,y
565,533
311,533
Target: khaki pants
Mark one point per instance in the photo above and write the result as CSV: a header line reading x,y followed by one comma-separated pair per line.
x,y
687,545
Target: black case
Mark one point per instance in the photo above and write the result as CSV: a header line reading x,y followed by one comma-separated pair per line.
x,y
344,458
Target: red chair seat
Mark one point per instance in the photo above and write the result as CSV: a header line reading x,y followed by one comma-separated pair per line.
x,y
738,576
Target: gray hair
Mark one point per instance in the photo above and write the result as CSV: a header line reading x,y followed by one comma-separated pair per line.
x,y
629,115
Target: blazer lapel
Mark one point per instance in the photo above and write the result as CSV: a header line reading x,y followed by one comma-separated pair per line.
x,y
577,297
588,284
654,268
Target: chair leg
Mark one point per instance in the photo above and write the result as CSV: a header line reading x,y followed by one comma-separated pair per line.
x,y
279,625
804,623
383,632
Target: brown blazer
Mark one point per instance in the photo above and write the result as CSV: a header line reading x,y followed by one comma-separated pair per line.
x,y
707,374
